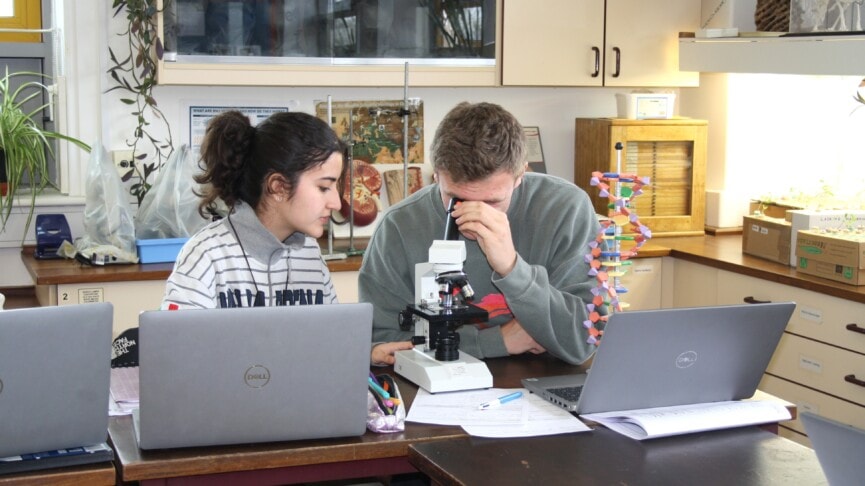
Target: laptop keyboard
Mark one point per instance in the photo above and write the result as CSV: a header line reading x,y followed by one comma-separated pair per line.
x,y
570,393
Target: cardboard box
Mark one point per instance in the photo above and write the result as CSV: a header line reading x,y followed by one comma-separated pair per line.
x,y
840,273
771,210
767,238
844,250
809,219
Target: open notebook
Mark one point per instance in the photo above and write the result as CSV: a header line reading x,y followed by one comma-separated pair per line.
x,y
257,374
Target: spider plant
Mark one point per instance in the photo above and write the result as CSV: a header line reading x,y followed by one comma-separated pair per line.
x,y
27,147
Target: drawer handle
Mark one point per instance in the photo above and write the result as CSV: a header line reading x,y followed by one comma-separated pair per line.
x,y
854,380
751,300
853,327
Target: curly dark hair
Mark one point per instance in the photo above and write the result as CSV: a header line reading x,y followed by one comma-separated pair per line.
x,y
237,157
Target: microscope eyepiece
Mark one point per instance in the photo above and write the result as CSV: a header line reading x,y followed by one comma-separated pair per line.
x,y
451,229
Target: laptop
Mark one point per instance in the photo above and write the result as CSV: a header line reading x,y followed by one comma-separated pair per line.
x,y
839,448
665,357
249,375
55,370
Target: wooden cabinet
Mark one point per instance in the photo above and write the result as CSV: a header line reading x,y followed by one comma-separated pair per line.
x,y
820,363
671,153
694,285
596,43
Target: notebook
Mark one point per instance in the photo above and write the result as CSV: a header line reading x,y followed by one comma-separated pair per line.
x,y
839,448
54,377
248,375
664,357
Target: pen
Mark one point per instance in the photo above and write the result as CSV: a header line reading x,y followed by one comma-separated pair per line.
x,y
375,386
500,401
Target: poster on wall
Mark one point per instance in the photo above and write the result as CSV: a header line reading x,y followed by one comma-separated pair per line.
x,y
534,150
200,115
375,132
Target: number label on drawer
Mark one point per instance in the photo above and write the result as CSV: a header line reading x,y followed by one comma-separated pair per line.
x,y
810,364
811,314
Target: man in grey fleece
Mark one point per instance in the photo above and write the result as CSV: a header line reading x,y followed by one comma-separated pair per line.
x,y
526,236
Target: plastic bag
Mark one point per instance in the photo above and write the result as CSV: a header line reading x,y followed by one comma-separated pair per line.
x,y
109,222
385,413
170,207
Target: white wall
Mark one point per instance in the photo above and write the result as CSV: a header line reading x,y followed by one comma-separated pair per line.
x,y
767,133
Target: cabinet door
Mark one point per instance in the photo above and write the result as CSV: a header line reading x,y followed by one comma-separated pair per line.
x,y
552,42
694,285
642,44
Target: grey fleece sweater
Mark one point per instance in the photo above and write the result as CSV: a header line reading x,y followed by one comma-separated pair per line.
x,y
211,270
552,223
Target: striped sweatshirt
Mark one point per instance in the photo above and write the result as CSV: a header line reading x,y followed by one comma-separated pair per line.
x,y
211,270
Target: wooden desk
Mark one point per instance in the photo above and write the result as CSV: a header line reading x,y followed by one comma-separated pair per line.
x,y
90,474
306,461
744,456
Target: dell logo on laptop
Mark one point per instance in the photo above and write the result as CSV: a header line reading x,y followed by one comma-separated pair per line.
x,y
257,376
686,359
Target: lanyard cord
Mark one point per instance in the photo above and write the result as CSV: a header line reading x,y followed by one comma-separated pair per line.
x,y
249,268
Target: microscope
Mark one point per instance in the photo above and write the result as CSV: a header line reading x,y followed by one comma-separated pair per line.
x,y
442,304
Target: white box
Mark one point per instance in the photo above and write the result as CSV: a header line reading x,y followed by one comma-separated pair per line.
x,y
645,106
805,219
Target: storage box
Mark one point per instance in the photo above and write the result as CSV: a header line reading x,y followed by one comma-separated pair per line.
x,y
773,210
844,250
159,250
840,273
808,219
767,238
645,106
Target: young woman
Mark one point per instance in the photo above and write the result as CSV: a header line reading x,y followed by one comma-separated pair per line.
x,y
279,182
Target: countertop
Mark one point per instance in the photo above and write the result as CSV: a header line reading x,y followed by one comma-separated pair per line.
x,y
722,251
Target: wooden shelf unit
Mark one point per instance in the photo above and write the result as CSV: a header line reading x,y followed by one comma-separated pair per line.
x,y
671,152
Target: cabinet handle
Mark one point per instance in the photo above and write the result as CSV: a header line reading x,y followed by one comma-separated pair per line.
x,y
853,327
618,62
854,380
751,300
597,61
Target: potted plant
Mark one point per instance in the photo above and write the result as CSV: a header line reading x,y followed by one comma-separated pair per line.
x,y
133,72
26,146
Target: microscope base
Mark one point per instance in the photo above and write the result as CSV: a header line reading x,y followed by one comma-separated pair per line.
x,y
466,373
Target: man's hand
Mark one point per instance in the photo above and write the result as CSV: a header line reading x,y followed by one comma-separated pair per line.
x,y
518,341
382,353
492,230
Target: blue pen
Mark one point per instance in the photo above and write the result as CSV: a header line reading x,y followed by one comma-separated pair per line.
x,y
381,391
500,401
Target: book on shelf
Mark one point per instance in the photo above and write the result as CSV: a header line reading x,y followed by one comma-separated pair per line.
x,y
60,458
651,423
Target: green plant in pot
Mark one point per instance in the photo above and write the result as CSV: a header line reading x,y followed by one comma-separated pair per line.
x,y
27,147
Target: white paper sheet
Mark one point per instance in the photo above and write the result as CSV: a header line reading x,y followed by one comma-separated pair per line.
x,y
527,416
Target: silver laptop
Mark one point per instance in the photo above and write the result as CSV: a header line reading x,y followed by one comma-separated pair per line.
x,y
55,371
658,358
257,374
839,449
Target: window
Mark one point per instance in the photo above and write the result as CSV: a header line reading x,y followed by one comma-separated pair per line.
x,y
333,29
30,52
20,14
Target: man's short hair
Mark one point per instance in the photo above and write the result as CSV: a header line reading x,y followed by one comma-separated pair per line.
x,y
477,140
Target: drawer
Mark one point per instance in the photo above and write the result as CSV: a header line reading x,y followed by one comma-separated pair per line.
x,y
817,316
808,400
819,366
